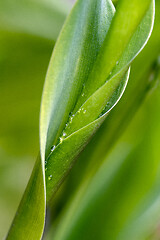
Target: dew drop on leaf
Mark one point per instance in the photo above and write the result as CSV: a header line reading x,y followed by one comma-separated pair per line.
x,y
50,177
61,139
52,148
71,118
64,134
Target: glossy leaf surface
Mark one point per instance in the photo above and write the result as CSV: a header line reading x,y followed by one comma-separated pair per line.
x,y
78,95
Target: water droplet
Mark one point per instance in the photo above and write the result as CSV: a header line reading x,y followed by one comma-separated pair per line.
x,y
46,169
50,177
64,134
117,62
84,111
79,110
82,94
61,139
45,162
52,148
70,120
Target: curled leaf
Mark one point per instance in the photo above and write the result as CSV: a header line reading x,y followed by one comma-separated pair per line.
x,y
87,76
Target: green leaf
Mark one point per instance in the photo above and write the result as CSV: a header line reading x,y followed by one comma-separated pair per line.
x,y
90,80
90,160
68,69
132,24
30,217
90,65
60,161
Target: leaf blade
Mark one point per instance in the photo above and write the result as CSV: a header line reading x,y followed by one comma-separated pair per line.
x,y
30,217
81,121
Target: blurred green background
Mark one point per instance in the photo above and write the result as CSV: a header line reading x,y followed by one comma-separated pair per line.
x,y
128,185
